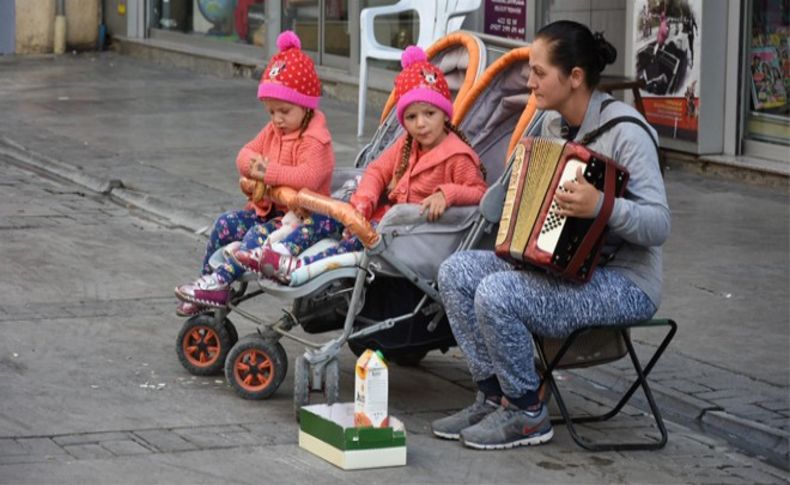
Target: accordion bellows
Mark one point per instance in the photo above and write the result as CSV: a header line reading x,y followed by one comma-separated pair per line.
x,y
531,231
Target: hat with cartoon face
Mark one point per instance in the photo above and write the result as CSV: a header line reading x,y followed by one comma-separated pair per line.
x,y
421,81
290,75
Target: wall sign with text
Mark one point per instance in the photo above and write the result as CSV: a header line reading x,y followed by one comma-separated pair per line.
x,y
506,18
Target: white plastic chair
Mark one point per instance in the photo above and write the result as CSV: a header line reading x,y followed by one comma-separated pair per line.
x,y
450,15
436,18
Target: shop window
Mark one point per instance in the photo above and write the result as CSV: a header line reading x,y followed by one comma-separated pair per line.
x,y
237,21
769,72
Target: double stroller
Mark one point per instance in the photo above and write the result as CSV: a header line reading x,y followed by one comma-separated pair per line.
x,y
384,297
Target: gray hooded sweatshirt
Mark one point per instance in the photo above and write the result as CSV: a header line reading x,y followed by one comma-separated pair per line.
x,y
641,218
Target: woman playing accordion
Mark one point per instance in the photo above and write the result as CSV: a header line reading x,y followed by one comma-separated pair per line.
x,y
494,307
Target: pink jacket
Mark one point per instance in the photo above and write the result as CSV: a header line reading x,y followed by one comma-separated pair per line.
x,y
451,167
293,161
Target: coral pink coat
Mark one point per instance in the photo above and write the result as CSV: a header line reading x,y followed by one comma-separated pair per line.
x,y
451,167
294,161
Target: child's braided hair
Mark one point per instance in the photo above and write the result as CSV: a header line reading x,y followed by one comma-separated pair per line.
x,y
308,116
406,153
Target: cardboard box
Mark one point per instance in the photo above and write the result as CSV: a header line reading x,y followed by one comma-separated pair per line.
x,y
329,432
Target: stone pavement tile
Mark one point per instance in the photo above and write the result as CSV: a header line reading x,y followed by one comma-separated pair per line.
x,y
755,475
165,440
211,437
685,385
22,459
11,447
124,447
40,446
82,438
777,405
276,433
87,451
779,422
716,396
749,411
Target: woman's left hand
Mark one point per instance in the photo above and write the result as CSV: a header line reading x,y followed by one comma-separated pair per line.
x,y
435,204
580,198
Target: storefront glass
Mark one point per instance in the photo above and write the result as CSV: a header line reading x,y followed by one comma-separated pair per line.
x,y
322,25
768,118
236,21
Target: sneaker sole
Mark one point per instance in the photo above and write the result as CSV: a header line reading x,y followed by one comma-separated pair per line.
x,y
530,441
447,436
192,299
199,312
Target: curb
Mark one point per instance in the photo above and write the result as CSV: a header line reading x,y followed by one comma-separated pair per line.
x,y
764,440
744,434
193,221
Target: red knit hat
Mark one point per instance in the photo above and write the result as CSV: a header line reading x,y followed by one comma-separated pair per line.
x,y
290,75
421,81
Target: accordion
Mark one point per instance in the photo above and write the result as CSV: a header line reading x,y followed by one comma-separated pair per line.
x,y
531,231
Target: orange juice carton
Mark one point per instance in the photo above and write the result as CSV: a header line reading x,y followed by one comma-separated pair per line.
x,y
370,391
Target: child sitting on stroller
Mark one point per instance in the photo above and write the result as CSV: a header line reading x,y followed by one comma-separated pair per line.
x,y
432,164
293,149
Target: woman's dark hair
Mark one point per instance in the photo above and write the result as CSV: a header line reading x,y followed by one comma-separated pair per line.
x,y
571,44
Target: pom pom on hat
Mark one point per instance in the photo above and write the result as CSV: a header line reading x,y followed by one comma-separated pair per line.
x,y
290,75
421,81
288,39
411,55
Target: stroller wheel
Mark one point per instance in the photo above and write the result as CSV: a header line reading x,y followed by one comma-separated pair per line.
x,y
332,382
255,367
301,384
203,344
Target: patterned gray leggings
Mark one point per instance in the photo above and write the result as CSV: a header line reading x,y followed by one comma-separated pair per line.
x,y
494,308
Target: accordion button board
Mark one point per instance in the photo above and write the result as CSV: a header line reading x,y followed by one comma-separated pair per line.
x,y
531,230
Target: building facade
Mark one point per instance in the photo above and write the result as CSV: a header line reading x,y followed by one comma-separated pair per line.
x,y
716,72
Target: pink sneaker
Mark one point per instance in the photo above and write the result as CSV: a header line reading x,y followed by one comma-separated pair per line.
x,y
187,309
248,259
208,290
267,262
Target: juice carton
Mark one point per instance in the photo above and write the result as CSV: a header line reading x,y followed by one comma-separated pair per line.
x,y
371,389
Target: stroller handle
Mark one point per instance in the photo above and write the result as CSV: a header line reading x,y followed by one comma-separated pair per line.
x,y
315,202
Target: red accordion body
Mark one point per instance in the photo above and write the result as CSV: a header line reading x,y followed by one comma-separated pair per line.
x,y
530,231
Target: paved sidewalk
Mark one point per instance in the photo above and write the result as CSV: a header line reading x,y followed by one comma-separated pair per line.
x,y
164,139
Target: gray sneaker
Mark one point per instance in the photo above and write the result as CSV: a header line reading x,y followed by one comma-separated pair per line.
x,y
509,427
450,427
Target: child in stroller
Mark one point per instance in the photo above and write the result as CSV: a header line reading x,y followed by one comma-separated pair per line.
x,y
432,165
377,299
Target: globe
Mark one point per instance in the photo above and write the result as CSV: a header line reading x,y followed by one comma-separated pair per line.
x,y
218,12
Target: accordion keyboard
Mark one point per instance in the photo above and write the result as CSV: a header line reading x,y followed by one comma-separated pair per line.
x,y
554,223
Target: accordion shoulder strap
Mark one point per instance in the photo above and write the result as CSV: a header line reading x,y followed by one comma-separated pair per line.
x,y
593,135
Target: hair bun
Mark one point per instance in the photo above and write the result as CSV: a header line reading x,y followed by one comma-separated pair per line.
x,y
607,53
288,39
411,55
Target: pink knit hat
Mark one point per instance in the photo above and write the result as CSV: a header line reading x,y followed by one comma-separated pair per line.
x,y
290,75
421,81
